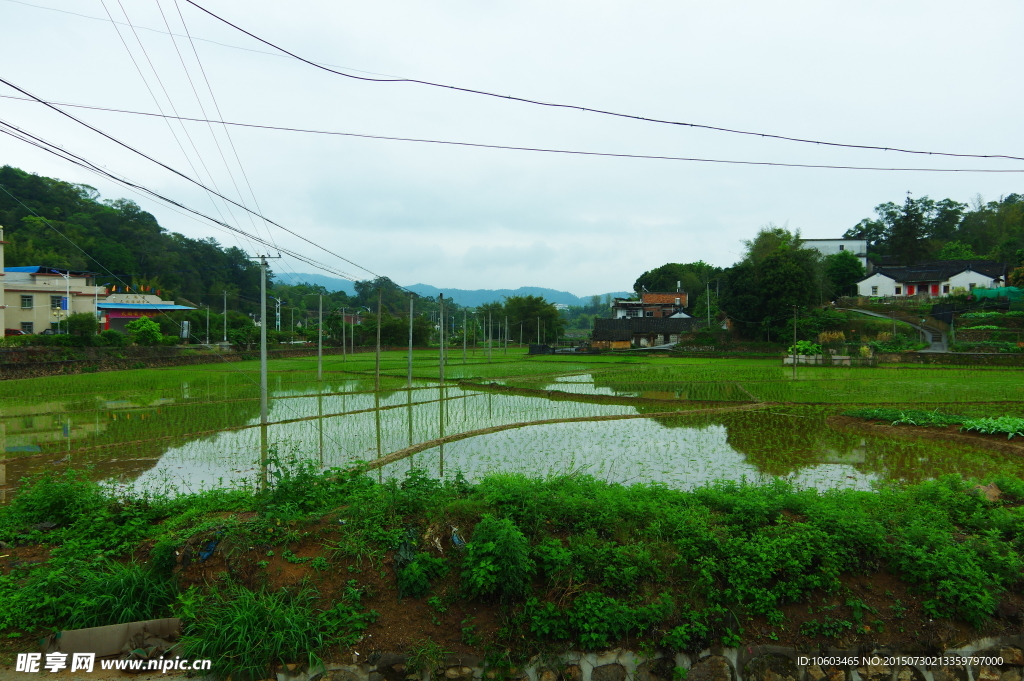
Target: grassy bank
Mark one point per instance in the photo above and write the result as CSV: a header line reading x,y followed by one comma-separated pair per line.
x,y
317,563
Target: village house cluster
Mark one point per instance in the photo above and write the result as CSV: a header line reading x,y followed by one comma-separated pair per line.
x,y
39,299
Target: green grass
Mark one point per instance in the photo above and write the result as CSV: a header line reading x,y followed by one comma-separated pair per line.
x,y
573,559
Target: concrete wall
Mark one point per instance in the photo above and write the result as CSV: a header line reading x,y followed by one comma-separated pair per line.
x,y
989,659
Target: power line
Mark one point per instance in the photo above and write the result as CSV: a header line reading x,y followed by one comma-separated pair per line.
x,y
571,152
184,176
205,40
576,107
24,136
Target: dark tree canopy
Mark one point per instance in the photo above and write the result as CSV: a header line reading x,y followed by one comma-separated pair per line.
x,y
921,229
118,240
843,270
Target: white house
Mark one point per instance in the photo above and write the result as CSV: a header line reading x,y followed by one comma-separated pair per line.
x,y
933,278
859,247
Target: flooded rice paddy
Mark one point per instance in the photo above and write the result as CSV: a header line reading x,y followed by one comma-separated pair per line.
x,y
195,427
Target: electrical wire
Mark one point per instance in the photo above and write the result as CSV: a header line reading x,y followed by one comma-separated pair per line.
x,y
38,142
576,107
205,40
156,101
183,176
573,152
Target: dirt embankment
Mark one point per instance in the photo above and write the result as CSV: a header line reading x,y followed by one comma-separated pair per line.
x,y
997,443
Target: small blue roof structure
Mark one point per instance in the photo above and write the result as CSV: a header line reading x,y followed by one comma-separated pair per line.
x,y
30,268
142,306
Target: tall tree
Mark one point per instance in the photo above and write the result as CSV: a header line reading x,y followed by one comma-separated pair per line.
x,y
843,270
906,240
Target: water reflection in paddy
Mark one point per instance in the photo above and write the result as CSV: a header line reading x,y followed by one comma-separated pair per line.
x,y
159,429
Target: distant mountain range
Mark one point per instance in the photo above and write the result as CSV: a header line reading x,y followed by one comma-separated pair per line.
x,y
461,296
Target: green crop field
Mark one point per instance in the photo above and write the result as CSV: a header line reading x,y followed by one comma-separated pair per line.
x,y
619,418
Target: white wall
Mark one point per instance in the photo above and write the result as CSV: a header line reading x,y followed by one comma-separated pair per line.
x,y
886,286
859,247
965,279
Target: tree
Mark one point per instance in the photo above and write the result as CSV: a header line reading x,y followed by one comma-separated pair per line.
x,y
906,239
957,250
843,270
760,291
82,324
526,311
144,331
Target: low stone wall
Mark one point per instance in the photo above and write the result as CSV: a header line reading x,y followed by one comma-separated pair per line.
x,y
990,659
961,358
36,362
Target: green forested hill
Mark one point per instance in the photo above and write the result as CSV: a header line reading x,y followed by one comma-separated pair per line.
x,y
115,237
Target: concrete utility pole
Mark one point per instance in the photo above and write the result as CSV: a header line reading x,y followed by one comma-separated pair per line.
x,y
408,379
707,301
376,378
343,344
264,394
440,335
320,342
225,315
463,335
506,335
794,342
207,324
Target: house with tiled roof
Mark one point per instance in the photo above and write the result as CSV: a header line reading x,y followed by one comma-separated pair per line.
x,y
937,278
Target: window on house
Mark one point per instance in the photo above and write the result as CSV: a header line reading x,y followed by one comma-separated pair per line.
x,y
842,247
971,286
55,302
26,302
874,290
27,327
899,290
945,288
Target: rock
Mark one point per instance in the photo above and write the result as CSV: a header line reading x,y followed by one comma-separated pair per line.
x,y
949,673
458,673
660,669
376,676
572,672
989,492
815,673
909,674
389,659
608,672
987,674
835,674
874,672
1011,675
1012,655
770,667
341,675
547,675
711,668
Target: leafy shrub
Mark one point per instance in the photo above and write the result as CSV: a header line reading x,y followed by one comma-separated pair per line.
x,y
600,620
414,579
144,331
113,338
497,560
804,348
1010,425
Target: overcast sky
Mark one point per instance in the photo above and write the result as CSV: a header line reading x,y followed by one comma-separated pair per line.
x,y
940,76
